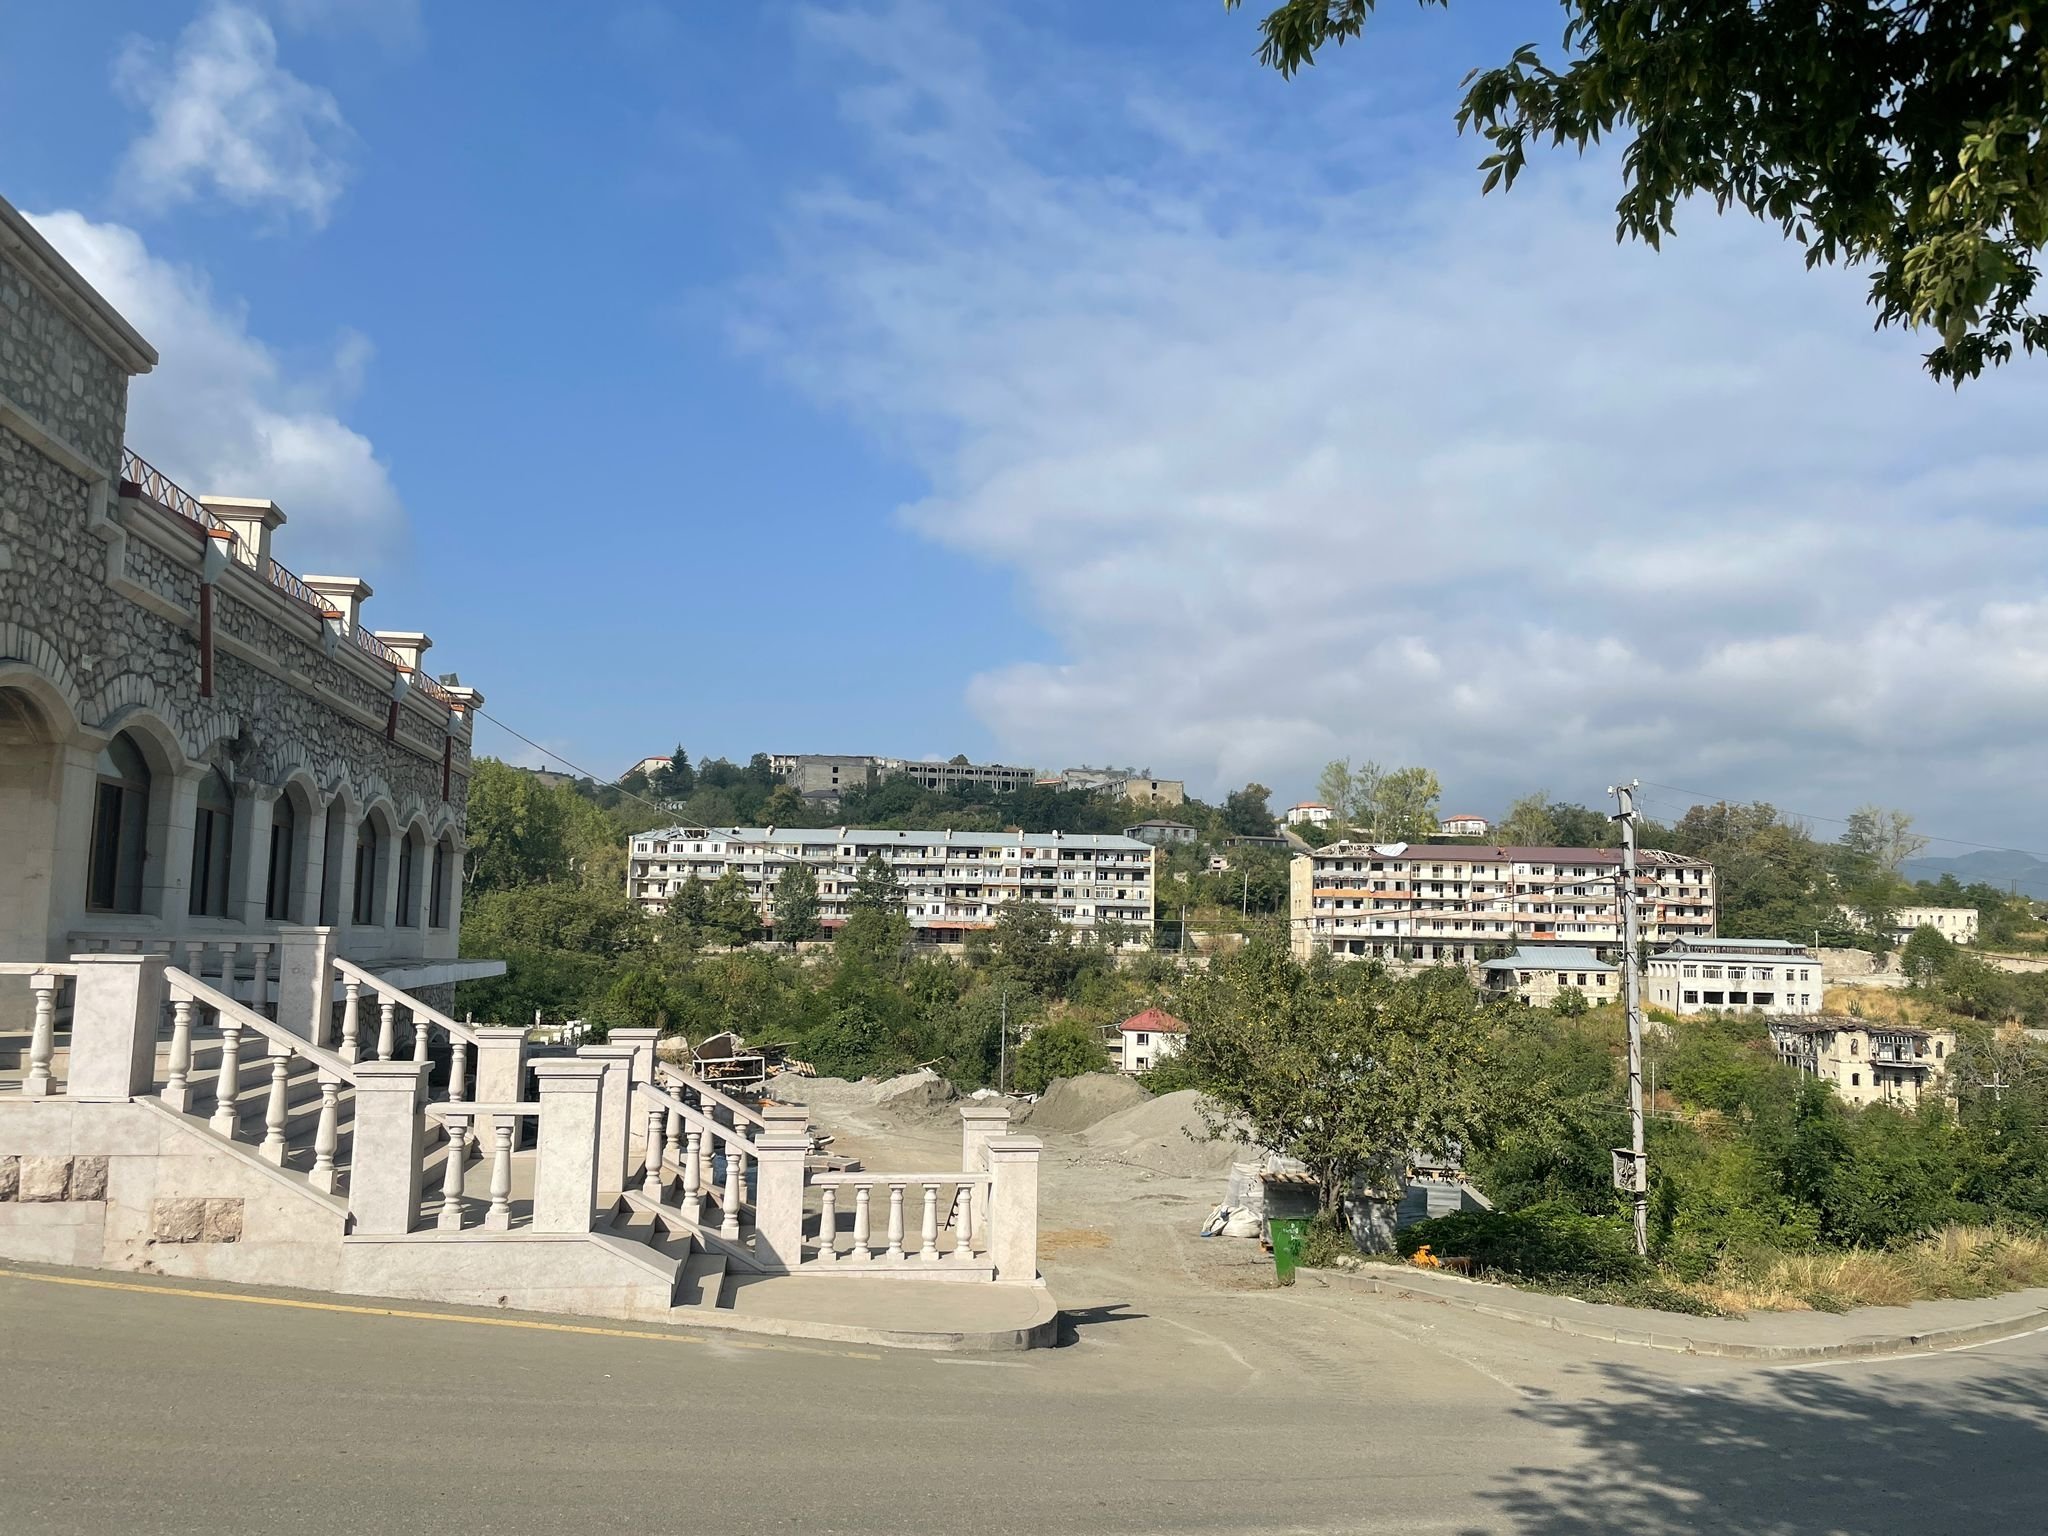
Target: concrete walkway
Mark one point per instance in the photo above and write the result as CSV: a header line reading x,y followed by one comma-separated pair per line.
x,y
1865,1332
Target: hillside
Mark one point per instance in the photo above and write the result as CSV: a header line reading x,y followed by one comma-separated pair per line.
x,y
2008,869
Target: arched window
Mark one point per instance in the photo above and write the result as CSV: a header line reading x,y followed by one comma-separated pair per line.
x,y
333,840
213,846
408,866
369,903
284,842
120,829
437,885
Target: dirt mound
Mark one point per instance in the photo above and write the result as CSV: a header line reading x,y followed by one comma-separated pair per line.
x,y
1166,1135
907,1092
1074,1103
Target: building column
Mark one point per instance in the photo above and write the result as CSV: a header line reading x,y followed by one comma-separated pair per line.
x,y
249,867
118,1007
979,1125
618,1149
565,1171
779,1154
1013,1207
305,982
390,1144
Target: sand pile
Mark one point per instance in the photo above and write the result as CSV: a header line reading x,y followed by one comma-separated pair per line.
x,y
908,1092
1074,1103
1165,1135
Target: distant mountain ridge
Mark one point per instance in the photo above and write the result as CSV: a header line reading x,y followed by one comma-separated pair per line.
x,y
2008,869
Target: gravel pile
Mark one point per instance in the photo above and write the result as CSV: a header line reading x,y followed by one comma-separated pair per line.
x,y
1075,1103
1165,1135
909,1093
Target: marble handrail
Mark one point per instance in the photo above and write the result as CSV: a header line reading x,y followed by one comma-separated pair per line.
x,y
186,993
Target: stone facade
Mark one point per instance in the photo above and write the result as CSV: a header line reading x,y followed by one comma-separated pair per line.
x,y
104,571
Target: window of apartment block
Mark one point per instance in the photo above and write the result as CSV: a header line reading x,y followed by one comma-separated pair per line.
x,y
1692,997
1855,1046
1855,1079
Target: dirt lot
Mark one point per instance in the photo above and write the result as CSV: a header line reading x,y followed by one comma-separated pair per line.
x,y
1121,1199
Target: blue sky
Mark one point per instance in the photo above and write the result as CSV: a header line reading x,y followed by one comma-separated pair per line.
x,y
1042,381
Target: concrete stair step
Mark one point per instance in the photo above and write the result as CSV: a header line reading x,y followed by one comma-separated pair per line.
x,y
702,1282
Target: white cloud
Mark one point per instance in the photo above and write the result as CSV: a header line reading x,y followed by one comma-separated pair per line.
x,y
1289,472
226,118
221,416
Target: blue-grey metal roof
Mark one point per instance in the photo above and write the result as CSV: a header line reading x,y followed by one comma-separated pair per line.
x,y
1562,958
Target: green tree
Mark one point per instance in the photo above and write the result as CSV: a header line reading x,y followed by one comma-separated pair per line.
x,y
876,888
689,906
1031,947
1346,1067
516,829
1899,135
677,780
1884,838
1064,1048
1404,806
1349,792
784,807
639,999
1528,824
729,916
796,903
1246,813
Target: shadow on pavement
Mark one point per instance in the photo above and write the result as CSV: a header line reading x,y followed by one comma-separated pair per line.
x,y
1792,1451
1074,1319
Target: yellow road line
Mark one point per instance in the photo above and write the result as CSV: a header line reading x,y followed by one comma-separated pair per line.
x,y
433,1317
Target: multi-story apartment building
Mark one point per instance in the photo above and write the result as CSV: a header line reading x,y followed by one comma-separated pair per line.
x,y
953,882
1707,975
819,775
1456,902
1865,1062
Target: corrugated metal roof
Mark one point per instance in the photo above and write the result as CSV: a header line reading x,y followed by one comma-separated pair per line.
x,y
1562,958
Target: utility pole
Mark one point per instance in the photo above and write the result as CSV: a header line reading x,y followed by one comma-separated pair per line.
x,y
1635,1177
1003,1046
1244,908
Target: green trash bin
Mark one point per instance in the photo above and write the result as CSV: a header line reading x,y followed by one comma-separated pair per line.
x,y
1288,1234
1291,1204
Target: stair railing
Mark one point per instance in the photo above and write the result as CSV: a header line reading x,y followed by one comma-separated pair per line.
x,y
189,997
390,1000
682,1137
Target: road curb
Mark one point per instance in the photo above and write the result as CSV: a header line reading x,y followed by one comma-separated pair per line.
x,y
1869,1348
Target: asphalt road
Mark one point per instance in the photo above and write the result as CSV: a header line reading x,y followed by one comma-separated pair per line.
x,y
140,1410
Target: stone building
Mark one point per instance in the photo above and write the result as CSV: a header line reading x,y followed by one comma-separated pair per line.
x,y
1956,924
196,745
1538,975
1866,1062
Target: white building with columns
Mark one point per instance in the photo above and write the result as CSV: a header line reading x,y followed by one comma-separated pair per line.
x,y
196,744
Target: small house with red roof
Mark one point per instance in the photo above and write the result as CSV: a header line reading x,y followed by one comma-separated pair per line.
x,y
1148,1038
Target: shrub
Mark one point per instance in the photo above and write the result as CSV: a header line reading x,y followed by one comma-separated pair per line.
x,y
1542,1242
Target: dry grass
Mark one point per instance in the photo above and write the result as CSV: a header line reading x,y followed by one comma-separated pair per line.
x,y
1879,1004
1955,1262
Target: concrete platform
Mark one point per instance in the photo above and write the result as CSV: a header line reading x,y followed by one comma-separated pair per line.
x,y
901,1314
